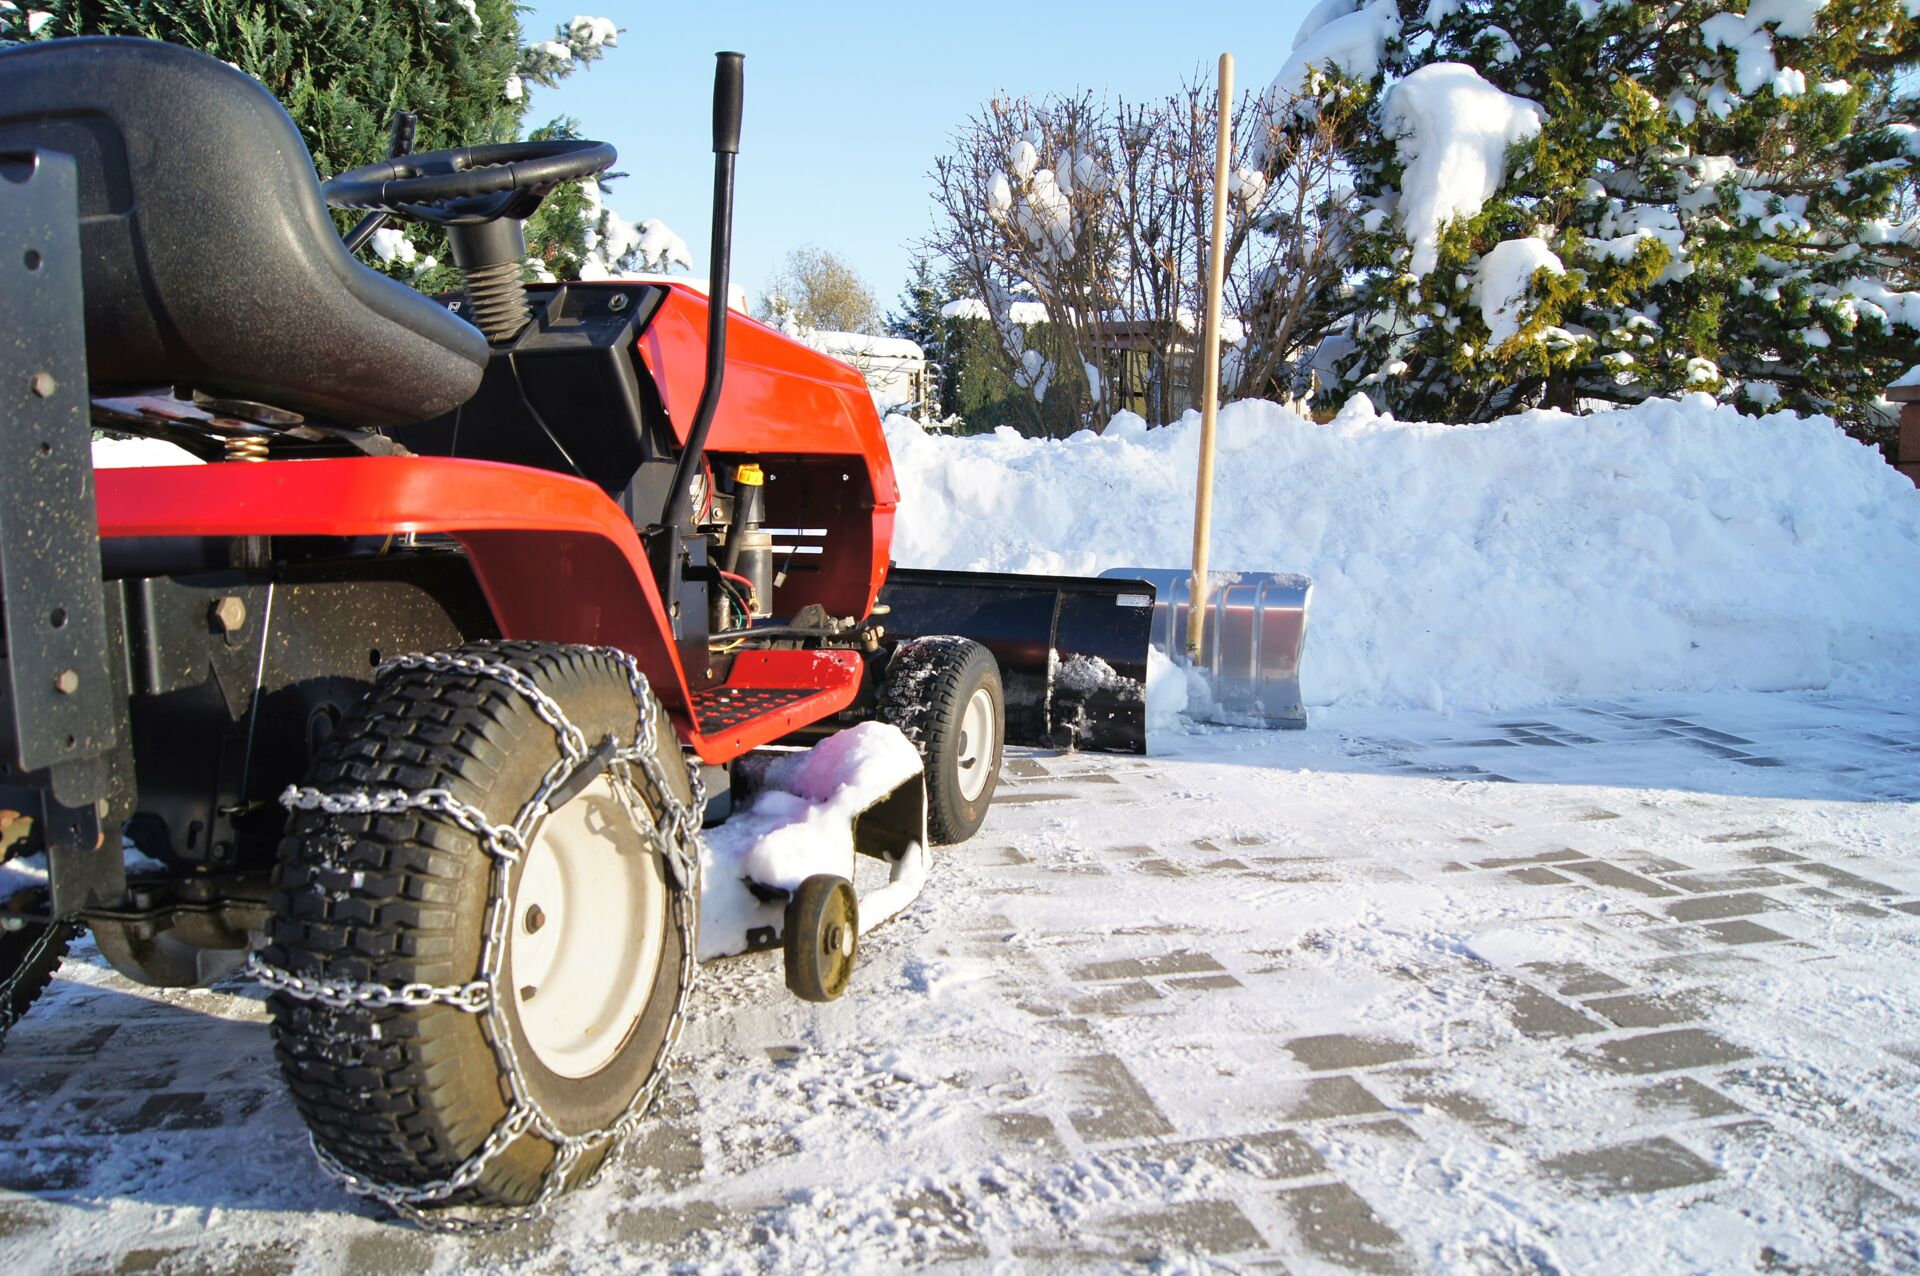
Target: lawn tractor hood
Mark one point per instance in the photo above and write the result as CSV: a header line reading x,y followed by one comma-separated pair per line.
x,y
1072,650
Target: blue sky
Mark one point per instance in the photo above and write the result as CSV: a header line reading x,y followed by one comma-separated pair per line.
x,y
848,104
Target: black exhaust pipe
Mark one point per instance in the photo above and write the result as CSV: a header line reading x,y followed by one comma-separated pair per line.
x,y
729,81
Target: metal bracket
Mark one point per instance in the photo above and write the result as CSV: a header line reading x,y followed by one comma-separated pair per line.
x,y
61,696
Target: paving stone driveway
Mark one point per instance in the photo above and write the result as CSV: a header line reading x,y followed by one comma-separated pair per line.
x,y
1621,986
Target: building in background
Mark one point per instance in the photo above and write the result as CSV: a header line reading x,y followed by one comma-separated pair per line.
x,y
895,369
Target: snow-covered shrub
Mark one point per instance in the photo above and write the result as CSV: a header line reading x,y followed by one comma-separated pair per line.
x,y
1613,199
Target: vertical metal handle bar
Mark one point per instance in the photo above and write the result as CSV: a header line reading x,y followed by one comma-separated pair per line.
x,y
729,90
1210,367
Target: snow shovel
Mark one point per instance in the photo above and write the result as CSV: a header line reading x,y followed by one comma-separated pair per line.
x,y
1246,631
1254,628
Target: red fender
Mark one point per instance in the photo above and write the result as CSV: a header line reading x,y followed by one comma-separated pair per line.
x,y
781,398
557,560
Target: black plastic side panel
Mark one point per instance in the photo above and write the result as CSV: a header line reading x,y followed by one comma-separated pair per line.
x,y
565,395
1072,650
62,704
224,721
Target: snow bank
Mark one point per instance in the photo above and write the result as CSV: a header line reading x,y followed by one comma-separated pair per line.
x,y
1338,35
127,454
1672,546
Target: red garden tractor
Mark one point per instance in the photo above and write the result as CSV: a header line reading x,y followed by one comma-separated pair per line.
x,y
415,697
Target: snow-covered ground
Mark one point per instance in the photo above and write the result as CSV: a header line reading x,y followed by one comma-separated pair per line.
x,y
1624,979
1342,999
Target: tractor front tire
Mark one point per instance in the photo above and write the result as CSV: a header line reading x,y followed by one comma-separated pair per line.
x,y
590,981
945,694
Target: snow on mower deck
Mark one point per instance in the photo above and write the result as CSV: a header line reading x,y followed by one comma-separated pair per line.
x,y
460,695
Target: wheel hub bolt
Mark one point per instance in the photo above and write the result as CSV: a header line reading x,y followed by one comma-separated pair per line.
x,y
535,919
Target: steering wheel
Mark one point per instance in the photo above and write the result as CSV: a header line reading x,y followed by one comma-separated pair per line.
x,y
470,184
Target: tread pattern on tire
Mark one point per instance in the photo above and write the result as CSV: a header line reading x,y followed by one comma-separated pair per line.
x,y
406,1095
923,695
31,977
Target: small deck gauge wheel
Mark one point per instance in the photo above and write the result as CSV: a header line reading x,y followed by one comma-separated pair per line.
x,y
822,937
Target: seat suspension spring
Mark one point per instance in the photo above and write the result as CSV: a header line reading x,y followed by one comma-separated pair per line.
x,y
246,447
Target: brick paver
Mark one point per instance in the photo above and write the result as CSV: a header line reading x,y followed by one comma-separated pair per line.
x,y
1514,1006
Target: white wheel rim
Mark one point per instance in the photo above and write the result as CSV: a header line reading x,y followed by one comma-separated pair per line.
x,y
588,923
974,758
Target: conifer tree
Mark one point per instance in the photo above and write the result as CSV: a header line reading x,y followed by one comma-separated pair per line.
x,y
1606,200
342,68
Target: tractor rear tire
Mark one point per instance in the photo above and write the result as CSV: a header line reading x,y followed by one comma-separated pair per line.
x,y
28,959
406,1095
945,694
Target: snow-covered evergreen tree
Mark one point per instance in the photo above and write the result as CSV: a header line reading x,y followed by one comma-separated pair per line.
x,y
1613,199
343,67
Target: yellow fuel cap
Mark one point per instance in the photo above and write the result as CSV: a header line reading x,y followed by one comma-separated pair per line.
x,y
750,474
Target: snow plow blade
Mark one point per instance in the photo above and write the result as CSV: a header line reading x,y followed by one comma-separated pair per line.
x,y
1256,626
1072,649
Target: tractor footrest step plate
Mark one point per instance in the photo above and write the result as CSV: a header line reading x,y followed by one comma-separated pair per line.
x,y
724,708
770,694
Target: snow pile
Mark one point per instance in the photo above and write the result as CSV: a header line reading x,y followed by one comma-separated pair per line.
x,y
1624,228
1037,201
1504,280
391,245
587,31
1674,545
862,345
1751,42
617,248
800,823
24,873
1019,312
129,454
1338,35
1453,132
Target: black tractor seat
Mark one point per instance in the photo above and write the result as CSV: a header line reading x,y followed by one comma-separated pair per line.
x,y
210,259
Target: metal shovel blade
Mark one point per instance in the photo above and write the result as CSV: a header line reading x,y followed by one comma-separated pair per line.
x,y
1256,625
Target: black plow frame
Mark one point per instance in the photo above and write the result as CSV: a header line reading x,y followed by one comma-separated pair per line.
x,y
1072,649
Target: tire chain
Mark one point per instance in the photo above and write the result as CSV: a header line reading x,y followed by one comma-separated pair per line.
x,y
676,831
49,934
